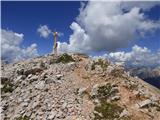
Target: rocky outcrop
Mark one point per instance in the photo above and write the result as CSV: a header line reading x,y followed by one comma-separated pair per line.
x,y
78,88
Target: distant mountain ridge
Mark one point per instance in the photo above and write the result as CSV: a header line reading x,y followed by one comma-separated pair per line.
x,y
148,74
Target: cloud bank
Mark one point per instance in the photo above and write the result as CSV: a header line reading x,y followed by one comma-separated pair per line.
x,y
10,47
104,26
144,5
138,56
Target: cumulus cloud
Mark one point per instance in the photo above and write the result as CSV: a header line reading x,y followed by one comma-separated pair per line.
x,y
44,31
141,4
60,34
138,56
10,47
77,40
103,26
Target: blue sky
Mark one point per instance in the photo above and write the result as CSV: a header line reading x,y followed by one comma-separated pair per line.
x,y
26,18
151,41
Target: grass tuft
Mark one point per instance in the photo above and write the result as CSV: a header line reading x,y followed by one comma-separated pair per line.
x,y
117,72
107,111
104,92
7,87
23,118
65,58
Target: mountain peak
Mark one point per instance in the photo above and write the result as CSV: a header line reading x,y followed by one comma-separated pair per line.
x,y
75,87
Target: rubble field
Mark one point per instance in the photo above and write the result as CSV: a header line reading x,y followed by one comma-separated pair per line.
x,y
74,87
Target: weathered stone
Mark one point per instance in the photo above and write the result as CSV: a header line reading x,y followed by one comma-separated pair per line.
x,y
136,93
95,112
4,79
52,115
33,116
115,98
145,103
94,90
71,65
97,101
124,113
24,83
64,105
81,91
33,71
60,114
33,78
20,71
29,76
40,85
154,99
35,104
49,80
114,90
109,69
24,104
98,69
59,76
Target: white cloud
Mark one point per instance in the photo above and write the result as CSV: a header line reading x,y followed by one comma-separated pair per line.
x,y
141,4
77,40
138,57
103,26
10,47
60,34
44,31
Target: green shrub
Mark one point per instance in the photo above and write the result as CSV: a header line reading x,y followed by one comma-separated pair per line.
x,y
107,111
104,64
158,108
103,92
23,118
133,87
117,72
7,87
65,58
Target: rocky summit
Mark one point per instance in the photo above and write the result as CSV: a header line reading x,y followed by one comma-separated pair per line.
x,y
74,87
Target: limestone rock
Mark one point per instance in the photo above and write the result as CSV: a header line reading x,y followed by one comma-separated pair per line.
x,y
59,76
124,113
40,85
145,103
81,91
44,89
52,115
33,71
115,98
